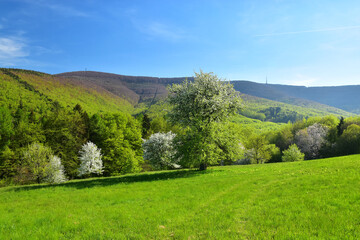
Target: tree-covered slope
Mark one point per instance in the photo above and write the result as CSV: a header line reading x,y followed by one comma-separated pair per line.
x,y
18,84
14,91
276,111
133,88
107,92
138,89
343,97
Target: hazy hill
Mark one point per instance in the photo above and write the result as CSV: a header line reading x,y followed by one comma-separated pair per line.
x,y
343,97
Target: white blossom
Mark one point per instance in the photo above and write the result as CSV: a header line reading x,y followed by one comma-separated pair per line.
x,y
90,157
311,139
55,171
160,151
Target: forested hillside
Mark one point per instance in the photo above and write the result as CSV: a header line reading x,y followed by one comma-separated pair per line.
x,y
133,88
276,111
149,90
39,111
343,97
66,91
60,114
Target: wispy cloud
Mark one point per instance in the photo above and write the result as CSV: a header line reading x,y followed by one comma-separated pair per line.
x,y
155,29
164,31
12,50
16,51
309,31
58,8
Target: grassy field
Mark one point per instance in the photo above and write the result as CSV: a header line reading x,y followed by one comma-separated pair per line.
x,y
304,200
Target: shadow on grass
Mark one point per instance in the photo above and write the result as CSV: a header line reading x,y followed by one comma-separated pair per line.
x,y
127,179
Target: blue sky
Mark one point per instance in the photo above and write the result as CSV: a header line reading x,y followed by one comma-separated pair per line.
x,y
311,43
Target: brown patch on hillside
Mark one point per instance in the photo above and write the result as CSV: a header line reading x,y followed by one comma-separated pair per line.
x,y
133,88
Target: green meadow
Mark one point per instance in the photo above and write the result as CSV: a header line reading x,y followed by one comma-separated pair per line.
x,y
317,199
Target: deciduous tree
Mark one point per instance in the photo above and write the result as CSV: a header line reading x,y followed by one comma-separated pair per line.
x,y
292,154
197,106
160,151
311,139
259,150
90,158
35,159
54,171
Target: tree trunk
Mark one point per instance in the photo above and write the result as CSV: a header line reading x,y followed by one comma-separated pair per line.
x,y
203,166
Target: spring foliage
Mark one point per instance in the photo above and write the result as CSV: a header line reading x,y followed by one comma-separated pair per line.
x,y
292,154
159,150
35,160
54,171
197,106
119,137
259,150
311,139
90,157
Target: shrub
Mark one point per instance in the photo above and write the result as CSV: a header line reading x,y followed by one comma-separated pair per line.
x,y
292,154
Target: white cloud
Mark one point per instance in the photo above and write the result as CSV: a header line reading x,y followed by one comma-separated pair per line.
x,y
12,49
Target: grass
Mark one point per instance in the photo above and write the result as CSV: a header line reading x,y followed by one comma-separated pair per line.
x,y
304,200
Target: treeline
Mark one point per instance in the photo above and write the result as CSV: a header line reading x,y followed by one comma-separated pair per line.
x,y
64,131
316,137
273,114
119,136
320,137
233,143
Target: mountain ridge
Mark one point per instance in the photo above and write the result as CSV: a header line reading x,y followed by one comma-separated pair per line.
x,y
144,88
103,92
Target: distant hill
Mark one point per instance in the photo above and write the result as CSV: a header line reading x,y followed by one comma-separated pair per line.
x,y
133,88
97,91
343,97
139,89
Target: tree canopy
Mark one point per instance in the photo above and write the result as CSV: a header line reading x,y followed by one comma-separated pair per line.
x,y
197,106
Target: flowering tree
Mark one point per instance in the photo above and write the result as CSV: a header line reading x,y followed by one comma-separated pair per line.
x,y
90,158
159,150
311,139
197,106
55,171
292,154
